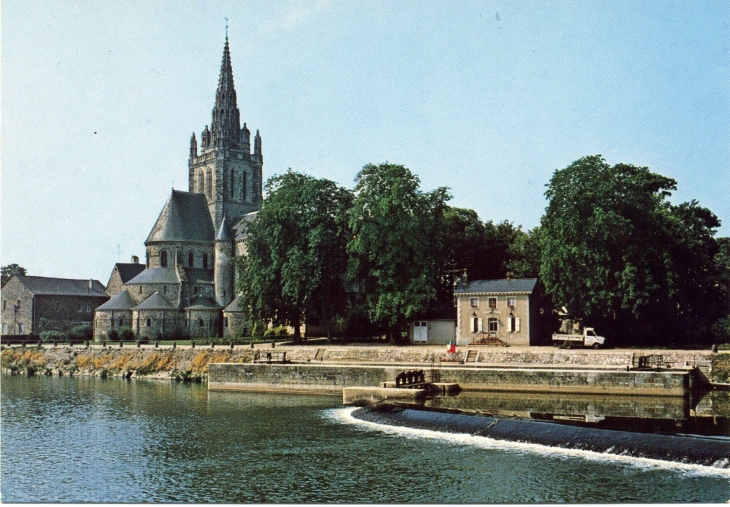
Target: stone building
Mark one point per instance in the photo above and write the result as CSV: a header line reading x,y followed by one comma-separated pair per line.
x,y
31,304
188,275
496,312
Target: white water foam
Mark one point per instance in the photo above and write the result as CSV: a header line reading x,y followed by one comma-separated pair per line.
x,y
344,415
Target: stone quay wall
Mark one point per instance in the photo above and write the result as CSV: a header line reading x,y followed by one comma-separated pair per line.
x,y
331,379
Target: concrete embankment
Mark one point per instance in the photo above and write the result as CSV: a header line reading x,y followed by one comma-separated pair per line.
x,y
331,379
320,368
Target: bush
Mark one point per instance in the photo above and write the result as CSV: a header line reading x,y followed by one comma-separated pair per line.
x,y
81,333
721,330
52,336
126,334
113,335
276,332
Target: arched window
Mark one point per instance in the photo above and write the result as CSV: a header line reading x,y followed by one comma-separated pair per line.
x,y
191,258
205,260
164,289
201,323
148,259
244,185
233,184
201,182
121,322
140,289
225,321
209,184
17,303
149,322
5,304
163,259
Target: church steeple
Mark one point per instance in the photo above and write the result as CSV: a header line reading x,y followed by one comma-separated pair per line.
x,y
226,123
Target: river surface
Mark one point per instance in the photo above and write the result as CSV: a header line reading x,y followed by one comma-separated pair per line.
x,y
108,441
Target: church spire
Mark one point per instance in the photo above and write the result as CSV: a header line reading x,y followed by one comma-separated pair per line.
x,y
226,123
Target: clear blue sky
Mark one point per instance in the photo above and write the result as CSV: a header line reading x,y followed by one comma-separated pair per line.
x,y
99,100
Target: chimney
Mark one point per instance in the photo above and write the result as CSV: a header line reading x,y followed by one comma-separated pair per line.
x,y
90,286
135,259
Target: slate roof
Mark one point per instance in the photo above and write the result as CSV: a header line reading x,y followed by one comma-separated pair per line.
x,y
240,224
185,217
128,270
502,286
121,301
61,286
224,233
201,302
156,275
156,302
199,275
235,305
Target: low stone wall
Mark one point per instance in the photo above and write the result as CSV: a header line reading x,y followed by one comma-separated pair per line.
x,y
331,379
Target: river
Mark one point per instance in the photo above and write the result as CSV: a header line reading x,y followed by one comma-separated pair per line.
x,y
86,439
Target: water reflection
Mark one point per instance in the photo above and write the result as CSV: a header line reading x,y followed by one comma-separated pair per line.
x,y
705,413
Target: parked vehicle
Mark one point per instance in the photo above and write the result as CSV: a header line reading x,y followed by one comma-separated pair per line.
x,y
589,338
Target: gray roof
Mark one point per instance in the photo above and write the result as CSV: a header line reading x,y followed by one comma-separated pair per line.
x,y
128,270
235,305
502,286
185,217
199,275
121,301
201,302
156,302
240,224
156,275
62,286
224,232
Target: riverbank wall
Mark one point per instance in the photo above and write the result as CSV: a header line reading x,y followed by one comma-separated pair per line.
x,y
332,379
549,368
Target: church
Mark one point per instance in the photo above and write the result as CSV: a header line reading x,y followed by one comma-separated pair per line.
x,y
186,285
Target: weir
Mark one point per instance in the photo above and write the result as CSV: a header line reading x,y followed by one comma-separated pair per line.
x,y
706,451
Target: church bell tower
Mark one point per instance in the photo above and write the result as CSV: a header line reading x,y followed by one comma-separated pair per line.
x,y
225,169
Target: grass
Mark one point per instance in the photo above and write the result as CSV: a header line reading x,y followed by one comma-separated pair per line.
x,y
721,368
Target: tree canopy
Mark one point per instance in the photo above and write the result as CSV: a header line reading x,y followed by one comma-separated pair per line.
x,y
395,230
296,261
10,271
616,251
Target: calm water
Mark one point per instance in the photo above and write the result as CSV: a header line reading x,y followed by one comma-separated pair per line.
x,y
92,440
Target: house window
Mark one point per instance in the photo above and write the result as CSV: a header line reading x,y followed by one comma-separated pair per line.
x,y
512,302
493,325
492,303
5,328
201,323
205,261
477,325
190,259
474,303
163,259
244,185
149,322
513,324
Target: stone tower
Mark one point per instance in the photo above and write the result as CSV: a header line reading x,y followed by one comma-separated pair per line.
x,y
223,267
225,169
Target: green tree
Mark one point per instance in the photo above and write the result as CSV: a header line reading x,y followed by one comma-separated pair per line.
x,y
395,229
617,254
296,260
525,254
10,271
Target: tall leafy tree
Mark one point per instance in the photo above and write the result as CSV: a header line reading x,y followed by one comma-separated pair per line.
x,y
617,253
296,260
10,271
395,230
